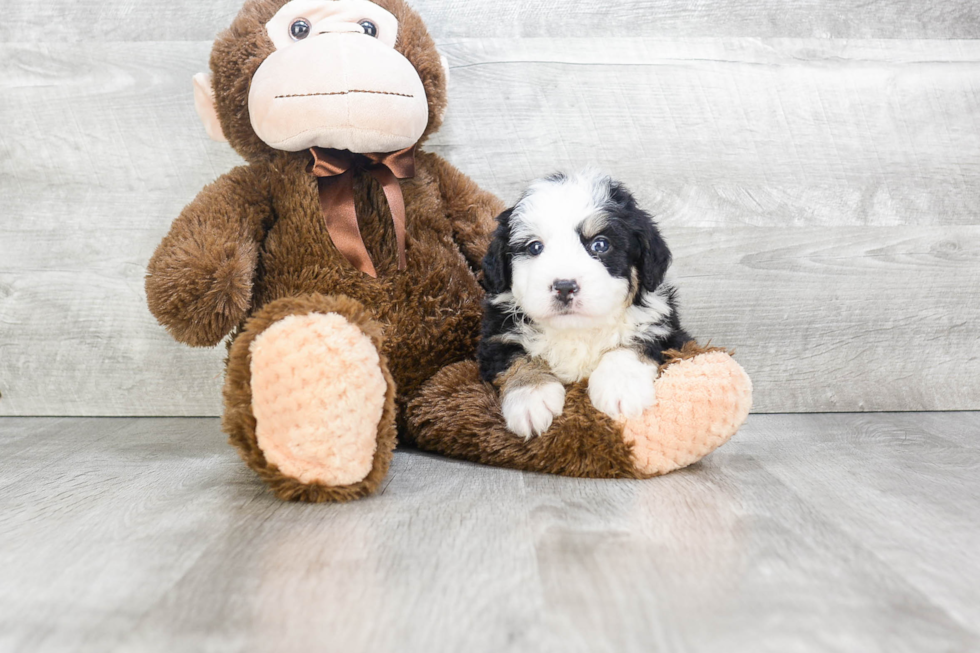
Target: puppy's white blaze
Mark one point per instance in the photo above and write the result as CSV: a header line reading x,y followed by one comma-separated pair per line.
x,y
551,205
529,410
622,385
598,296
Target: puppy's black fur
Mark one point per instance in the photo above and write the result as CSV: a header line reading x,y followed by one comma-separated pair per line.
x,y
651,257
494,355
638,253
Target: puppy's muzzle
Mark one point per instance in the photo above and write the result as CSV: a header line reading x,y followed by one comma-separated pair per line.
x,y
565,290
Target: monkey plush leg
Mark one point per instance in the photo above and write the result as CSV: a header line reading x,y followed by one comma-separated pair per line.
x,y
702,399
309,401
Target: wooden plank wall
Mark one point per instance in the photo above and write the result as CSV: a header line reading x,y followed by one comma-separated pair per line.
x,y
815,167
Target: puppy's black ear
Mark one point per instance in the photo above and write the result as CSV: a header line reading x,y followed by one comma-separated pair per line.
x,y
496,264
654,255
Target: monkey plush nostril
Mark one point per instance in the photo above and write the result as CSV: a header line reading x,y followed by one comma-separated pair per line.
x,y
565,289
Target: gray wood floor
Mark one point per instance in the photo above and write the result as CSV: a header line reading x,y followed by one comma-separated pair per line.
x,y
832,532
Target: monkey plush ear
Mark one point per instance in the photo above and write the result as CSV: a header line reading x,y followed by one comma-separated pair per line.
x,y
445,66
204,103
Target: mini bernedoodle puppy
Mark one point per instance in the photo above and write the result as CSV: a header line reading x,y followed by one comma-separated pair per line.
x,y
575,290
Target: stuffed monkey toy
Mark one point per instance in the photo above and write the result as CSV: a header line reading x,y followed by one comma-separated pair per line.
x,y
344,261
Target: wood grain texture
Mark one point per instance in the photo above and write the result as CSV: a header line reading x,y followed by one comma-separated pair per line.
x,y
722,131
804,533
180,20
820,197
100,150
848,319
896,508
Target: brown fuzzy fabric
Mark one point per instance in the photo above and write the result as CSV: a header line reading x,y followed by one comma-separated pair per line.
x,y
239,422
690,350
471,211
458,415
199,281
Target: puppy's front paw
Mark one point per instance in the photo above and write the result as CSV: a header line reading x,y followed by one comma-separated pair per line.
x,y
622,385
530,409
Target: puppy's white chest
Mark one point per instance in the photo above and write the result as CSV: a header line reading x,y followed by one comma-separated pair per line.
x,y
574,355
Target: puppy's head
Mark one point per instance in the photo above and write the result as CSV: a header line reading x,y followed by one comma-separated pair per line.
x,y
574,252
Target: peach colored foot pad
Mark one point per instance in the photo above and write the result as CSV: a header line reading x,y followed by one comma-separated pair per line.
x,y
317,395
700,404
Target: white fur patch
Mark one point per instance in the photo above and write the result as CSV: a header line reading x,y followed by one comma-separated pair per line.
x,y
622,384
651,313
530,409
549,206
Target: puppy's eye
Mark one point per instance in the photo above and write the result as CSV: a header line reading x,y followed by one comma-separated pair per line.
x,y
599,246
299,29
369,28
535,247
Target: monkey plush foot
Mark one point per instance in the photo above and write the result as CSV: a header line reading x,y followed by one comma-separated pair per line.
x,y
318,425
701,402
317,395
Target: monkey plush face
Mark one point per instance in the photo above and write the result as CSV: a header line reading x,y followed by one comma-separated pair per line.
x,y
336,81
346,74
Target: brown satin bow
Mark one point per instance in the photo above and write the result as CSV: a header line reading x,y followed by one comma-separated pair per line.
x,y
334,170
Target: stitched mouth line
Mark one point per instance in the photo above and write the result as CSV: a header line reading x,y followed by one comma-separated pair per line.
x,y
346,93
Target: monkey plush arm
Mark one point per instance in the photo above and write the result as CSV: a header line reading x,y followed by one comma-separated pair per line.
x,y
470,209
199,281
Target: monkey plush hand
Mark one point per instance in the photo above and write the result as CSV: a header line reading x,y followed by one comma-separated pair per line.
x,y
342,258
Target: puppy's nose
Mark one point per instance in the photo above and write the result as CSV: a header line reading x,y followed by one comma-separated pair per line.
x,y
565,288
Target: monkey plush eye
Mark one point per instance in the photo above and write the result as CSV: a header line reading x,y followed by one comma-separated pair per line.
x,y
300,29
535,247
599,246
369,28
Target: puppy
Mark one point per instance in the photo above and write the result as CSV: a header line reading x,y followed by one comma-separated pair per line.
x,y
575,289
